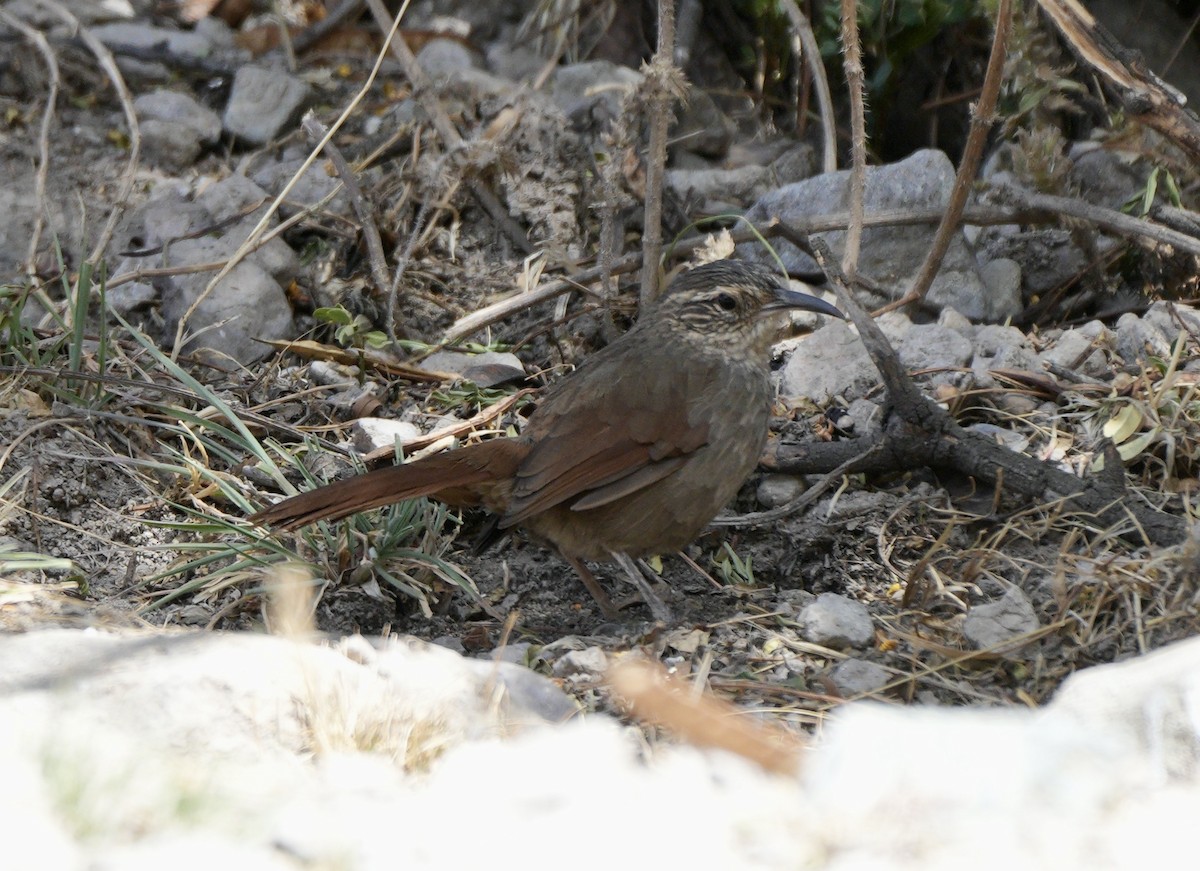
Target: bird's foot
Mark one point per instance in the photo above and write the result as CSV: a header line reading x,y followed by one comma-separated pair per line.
x,y
658,608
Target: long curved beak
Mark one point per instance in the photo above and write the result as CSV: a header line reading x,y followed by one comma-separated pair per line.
x,y
786,298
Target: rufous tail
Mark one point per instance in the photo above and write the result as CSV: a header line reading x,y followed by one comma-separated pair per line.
x,y
477,474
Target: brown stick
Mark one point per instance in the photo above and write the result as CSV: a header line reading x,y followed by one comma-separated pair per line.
x,y
659,78
852,63
810,52
981,122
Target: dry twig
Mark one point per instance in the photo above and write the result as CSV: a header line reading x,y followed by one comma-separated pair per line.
x,y
662,83
808,51
109,65
981,122
852,63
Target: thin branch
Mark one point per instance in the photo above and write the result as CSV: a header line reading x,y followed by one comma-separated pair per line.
x,y
981,122
661,74
109,65
318,132
852,62
1108,219
810,53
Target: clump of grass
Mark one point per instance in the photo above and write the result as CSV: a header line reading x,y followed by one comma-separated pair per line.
x,y
202,443
401,547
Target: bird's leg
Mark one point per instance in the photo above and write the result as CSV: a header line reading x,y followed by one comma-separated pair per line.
x,y
593,586
658,608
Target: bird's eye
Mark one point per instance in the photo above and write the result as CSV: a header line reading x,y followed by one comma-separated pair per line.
x,y
726,302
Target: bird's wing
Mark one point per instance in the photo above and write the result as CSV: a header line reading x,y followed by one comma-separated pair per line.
x,y
598,438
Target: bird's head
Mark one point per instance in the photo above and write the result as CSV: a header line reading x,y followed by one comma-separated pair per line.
x,y
734,305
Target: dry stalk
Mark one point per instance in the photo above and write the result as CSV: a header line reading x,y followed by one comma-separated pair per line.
x,y
808,51
1108,219
982,119
852,63
318,132
109,64
663,80
43,47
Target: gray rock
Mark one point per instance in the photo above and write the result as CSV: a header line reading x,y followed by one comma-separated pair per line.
x,y
590,93
175,127
830,362
249,303
998,347
994,340
836,622
235,194
441,57
867,416
1003,279
493,368
890,256
894,325
89,12
372,433
514,62
589,662
717,190
517,653
796,164
932,346
775,490
1137,340
130,34
169,145
1171,317
701,127
125,299
312,187
857,677
329,374
992,625
488,369
246,305
219,34
160,221
449,361
463,90
1106,176
950,318
1046,257
449,642
1012,440
263,102
1076,350
182,109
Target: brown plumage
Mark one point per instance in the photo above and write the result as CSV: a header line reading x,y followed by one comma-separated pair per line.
x,y
631,454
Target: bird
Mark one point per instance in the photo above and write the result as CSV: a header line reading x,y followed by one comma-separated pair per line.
x,y
629,455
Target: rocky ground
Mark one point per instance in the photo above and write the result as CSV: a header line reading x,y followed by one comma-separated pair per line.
x,y
197,300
